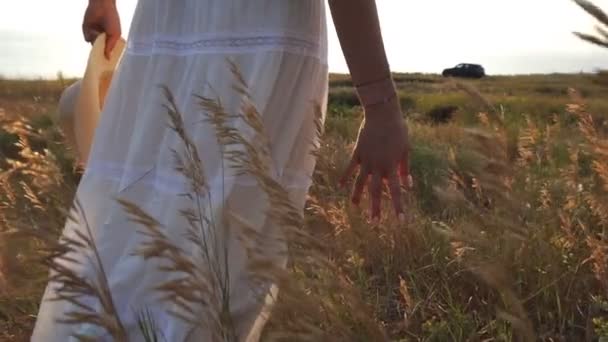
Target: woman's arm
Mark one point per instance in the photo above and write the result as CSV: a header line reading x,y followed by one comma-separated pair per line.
x,y
101,16
358,28
382,146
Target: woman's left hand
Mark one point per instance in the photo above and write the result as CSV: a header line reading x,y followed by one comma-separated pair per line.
x,y
382,152
102,16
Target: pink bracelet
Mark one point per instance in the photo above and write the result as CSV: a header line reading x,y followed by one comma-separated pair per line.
x,y
377,92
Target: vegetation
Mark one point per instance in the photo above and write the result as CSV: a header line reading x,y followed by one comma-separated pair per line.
x,y
506,237
507,231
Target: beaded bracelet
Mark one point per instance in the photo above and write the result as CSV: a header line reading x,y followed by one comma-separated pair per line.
x,y
376,92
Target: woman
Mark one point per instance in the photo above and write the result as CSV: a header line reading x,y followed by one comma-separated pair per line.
x,y
280,49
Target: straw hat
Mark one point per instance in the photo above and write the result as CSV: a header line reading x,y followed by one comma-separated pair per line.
x,y
81,103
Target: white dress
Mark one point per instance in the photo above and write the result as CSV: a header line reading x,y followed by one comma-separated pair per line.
x,y
280,48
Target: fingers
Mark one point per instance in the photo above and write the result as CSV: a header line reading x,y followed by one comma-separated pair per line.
x,y
110,44
398,175
360,185
111,41
375,191
395,190
350,170
90,34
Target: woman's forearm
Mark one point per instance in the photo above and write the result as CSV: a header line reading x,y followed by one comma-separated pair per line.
x,y
359,32
381,152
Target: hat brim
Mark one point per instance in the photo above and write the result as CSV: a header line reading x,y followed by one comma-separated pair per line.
x,y
82,102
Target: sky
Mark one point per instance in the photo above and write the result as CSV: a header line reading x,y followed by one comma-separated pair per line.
x,y
40,38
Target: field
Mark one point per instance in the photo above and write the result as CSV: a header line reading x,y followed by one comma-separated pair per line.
x,y
507,236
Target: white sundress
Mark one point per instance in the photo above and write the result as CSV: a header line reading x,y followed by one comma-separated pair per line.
x,y
280,48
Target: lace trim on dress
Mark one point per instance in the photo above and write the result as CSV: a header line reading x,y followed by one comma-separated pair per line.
x,y
224,43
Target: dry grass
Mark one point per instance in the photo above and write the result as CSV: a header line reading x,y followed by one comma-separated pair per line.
x,y
601,38
507,239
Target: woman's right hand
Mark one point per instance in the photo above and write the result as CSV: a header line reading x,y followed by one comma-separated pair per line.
x,y
101,16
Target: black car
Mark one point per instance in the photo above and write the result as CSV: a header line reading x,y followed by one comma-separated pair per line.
x,y
465,70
